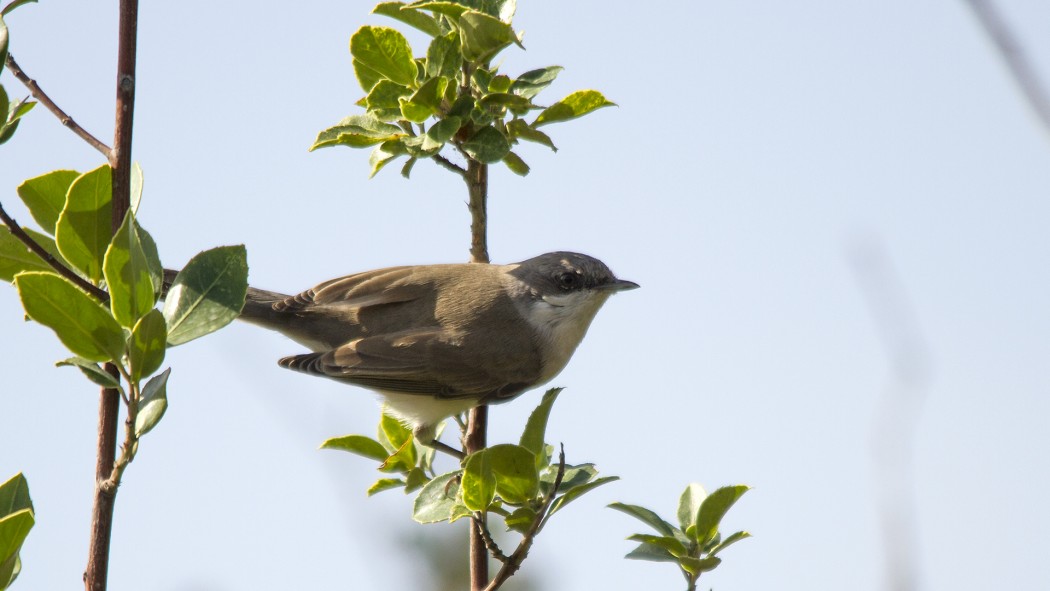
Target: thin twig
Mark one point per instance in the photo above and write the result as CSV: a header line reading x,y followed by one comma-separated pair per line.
x,y
513,563
48,258
490,543
1023,72
450,165
40,95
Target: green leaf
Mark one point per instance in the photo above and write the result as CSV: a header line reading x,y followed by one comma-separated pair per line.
x,y
358,444
4,40
14,495
515,471
406,170
386,52
532,438
384,484
520,520
385,153
45,196
573,476
398,440
516,164
575,105
518,129
645,516
497,100
479,481
430,94
16,257
576,492
732,539
357,131
152,403
383,101
147,345
499,84
695,566
412,17
93,372
651,553
669,543
689,505
13,531
133,272
9,570
207,294
713,508
13,5
444,130
84,228
414,112
81,323
443,57
483,36
453,10
533,82
136,185
415,480
437,499
487,145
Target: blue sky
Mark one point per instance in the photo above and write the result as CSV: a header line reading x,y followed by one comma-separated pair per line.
x,y
759,149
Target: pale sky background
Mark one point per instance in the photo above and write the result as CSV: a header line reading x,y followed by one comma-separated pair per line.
x,y
756,147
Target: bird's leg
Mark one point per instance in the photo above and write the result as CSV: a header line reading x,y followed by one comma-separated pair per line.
x,y
427,435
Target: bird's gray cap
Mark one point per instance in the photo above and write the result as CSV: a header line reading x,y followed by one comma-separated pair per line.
x,y
556,272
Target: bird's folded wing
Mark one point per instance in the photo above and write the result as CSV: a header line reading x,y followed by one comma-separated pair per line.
x,y
424,362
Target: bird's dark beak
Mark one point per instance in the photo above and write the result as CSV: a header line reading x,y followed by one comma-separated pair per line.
x,y
620,285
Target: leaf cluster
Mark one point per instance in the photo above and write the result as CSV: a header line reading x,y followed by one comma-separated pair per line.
x,y
16,519
10,112
98,289
451,96
519,483
695,543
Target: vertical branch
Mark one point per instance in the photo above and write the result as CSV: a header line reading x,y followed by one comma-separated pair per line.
x,y
477,420
95,575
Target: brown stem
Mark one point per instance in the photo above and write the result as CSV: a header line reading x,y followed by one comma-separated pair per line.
x,y
46,256
478,185
109,401
473,441
450,165
41,96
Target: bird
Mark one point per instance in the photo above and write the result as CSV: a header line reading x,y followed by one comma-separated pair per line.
x,y
437,340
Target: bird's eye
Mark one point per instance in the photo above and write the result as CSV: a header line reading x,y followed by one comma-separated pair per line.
x,y
568,280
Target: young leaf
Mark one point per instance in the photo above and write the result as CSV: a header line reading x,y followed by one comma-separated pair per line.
x,y
516,164
16,257
45,196
13,531
575,105
576,492
133,272
532,438
92,371
83,231
732,539
646,516
669,543
383,100
14,495
207,294
415,479
712,510
695,566
651,553
518,129
152,403
444,130
488,145
4,40
81,323
520,520
398,440
147,345
386,52
443,57
358,444
453,10
15,4
414,18
436,500
384,154
384,484
483,36
357,131
689,505
515,470
479,481
573,476
533,82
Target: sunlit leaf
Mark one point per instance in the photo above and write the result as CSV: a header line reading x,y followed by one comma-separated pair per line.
x,y
207,294
575,105
83,325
